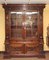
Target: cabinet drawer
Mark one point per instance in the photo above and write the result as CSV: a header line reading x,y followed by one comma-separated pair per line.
x,y
32,45
33,49
33,42
16,45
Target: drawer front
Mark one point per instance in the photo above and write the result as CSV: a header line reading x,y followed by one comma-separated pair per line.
x,y
32,45
15,45
24,44
33,40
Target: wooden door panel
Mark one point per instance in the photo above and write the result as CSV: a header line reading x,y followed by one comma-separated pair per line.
x,y
17,50
32,50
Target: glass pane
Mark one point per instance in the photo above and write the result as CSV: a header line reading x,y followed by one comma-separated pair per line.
x,y
24,20
16,25
34,24
30,25
13,19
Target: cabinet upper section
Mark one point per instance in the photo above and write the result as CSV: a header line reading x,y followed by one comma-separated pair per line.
x,y
24,6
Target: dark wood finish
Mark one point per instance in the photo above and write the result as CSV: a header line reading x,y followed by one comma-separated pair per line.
x,y
24,29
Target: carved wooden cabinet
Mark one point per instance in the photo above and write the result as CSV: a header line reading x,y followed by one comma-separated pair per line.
x,y
24,29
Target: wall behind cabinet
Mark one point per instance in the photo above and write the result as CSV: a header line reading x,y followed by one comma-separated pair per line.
x,y
45,24
2,27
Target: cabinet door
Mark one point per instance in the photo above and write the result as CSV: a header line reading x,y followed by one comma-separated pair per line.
x,y
24,32
30,26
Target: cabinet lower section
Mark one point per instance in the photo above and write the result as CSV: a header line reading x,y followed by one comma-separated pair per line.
x,y
24,50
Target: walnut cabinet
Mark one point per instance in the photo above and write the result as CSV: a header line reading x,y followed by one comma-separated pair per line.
x,y
24,29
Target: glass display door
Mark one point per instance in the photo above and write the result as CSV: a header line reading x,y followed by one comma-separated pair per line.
x,y
24,32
